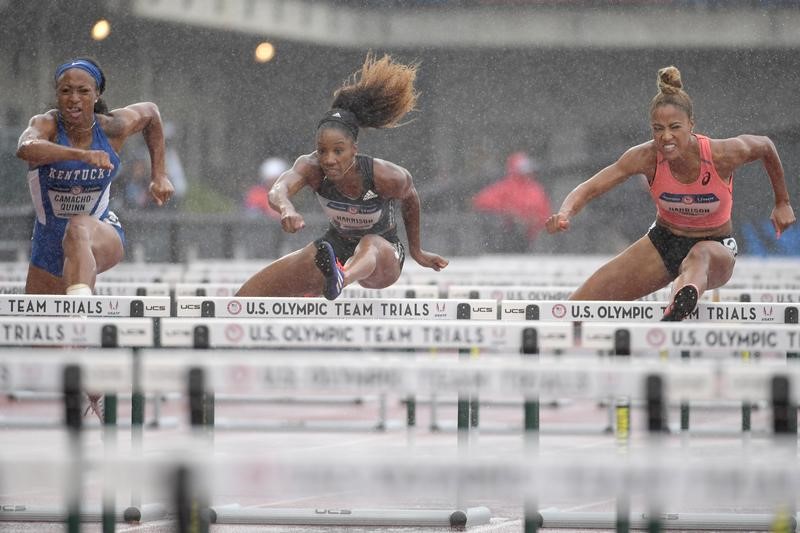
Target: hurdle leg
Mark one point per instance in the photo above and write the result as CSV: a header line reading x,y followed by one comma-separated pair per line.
x,y
434,425
747,412
74,422
137,427
784,427
623,437
656,426
193,505
381,425
684,410
411,418
622,412
110,443
533,518
463,405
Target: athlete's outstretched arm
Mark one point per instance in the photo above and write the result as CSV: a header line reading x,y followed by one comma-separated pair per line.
x,y
285,187
402,187
145,117
748,148
634,161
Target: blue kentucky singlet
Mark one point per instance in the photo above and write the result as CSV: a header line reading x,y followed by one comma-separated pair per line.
x,y
352,218
62,189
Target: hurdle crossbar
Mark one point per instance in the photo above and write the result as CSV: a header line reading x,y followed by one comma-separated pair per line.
x,y
594,311
395,308
107,332
87,306
484,335
341,517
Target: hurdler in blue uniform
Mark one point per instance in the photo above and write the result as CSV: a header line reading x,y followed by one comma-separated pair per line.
x,y
72,153
357,193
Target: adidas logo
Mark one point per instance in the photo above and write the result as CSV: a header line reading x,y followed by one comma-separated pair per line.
x,y
369,195
337,115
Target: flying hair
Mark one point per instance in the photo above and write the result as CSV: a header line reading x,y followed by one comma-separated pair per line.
x,y
379,94
670,91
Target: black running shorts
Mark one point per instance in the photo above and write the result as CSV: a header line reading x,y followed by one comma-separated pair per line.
x,y
345,247
673,249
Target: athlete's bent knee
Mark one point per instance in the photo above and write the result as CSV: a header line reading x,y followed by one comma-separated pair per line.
x,y
77,233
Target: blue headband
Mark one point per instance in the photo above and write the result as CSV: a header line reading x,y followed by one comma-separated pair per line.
x,y
83,65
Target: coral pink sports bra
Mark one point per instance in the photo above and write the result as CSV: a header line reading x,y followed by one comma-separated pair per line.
x,y
704,203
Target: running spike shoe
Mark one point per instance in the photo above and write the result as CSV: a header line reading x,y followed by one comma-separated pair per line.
x,y
331,269
682,305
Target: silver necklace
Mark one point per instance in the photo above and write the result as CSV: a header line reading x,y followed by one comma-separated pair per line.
x,y
75,129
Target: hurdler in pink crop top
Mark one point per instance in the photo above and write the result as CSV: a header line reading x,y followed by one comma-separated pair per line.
x,y
703,203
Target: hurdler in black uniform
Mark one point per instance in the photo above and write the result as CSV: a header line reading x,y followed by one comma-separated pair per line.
x,y
359,194
352,218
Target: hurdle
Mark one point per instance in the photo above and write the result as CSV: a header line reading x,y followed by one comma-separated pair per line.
x,y
70,371
556,292
725,294
522,376
99,328
371,308
510,292
316,517
78,331
89,306
738,339
110,332
585,311
140,272
715,340
784,428
673,479
343,334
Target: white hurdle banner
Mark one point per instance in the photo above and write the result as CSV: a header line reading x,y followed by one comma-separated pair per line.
x,y
262,373
510,292
662,478
493,336
553,292
43,369
579,311
403,308
88,306
135,272
74,331
643,337
758,295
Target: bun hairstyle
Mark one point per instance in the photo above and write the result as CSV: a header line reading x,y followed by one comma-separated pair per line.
x,y
377,96
670,91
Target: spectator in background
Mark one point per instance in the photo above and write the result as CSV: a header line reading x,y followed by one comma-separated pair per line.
x,y
134,173
135,176
256,201
520,202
